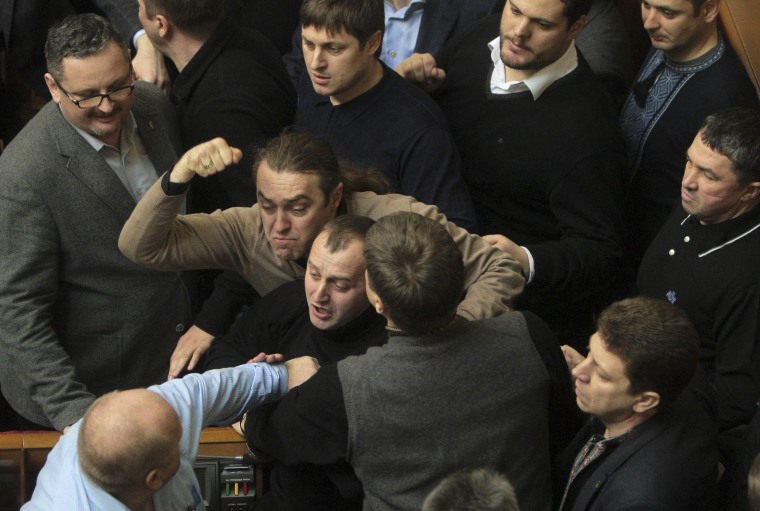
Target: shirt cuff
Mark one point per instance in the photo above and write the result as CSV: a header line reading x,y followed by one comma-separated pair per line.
x,y
532,265
137,36
170,188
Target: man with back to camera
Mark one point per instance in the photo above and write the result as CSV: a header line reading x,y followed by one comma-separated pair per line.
x,y
330,321
300,188
135,449
369,115
702,261
441,394
540,151
78,319
649,444
690,72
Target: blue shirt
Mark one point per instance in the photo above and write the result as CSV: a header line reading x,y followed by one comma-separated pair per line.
x,y
401,29
214,398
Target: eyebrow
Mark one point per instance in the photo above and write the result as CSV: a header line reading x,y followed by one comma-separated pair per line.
x,y
533,20
111,86
661,7
288,200
309,262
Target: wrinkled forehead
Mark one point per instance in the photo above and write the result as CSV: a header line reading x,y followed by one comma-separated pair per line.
x,y
346,261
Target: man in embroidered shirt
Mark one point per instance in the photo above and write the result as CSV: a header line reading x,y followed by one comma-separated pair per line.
x,y
704,260
690,72
135,449
540,153
649,444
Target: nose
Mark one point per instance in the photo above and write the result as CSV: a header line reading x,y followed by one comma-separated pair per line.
x,y
689,180
649,16
316,59
106,106
522,29
321,294
580,371
281,222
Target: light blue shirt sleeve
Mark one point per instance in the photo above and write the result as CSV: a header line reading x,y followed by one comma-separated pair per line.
x,y
216,397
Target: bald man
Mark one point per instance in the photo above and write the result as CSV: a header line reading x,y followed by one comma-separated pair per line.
x,y
135,449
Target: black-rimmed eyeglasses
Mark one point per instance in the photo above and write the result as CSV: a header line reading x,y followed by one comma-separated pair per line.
x,y
119,94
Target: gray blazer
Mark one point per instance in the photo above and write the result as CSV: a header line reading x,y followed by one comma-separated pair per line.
x,y
77,318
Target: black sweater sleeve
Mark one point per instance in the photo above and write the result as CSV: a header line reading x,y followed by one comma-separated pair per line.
x,y
308,426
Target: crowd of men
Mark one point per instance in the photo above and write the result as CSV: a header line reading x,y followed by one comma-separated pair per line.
x,y
434,249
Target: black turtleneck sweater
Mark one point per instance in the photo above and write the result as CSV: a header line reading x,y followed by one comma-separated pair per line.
x,y
279,323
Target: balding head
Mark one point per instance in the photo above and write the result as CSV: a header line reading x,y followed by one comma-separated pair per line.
x,y
129,441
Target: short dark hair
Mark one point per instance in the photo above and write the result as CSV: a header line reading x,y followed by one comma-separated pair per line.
x,y
78,37
343,229
416,269
574,9
303,153
657,343
735,134
472,490
198,18
696,5
358,18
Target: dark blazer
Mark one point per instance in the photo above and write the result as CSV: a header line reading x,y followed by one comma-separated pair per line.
x,y
669,463
77,318
441,20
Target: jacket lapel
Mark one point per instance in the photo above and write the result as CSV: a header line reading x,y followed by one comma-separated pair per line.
x,y
644,434
88,166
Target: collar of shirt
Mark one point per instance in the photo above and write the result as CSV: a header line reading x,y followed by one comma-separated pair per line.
x,y
536,84
402,28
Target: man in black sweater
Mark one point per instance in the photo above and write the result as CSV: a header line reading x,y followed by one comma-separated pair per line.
x,y
331,321
540,151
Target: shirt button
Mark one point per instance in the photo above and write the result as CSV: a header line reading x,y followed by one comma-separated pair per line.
x,y
179,327
671,252
392,54
500,141
686,239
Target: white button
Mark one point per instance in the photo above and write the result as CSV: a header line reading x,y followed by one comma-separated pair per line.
x,y
686,239
179,327
671,252
393,54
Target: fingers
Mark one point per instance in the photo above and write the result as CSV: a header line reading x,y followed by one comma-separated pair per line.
x,y
421,68
269,359
205,160
572,357
190,348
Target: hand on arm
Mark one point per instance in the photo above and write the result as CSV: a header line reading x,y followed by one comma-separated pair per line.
x,y
274,358
300,369
189,350
149,63
421,69
510,247
205,159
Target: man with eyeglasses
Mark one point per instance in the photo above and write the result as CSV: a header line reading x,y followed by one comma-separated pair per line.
x,y
78,319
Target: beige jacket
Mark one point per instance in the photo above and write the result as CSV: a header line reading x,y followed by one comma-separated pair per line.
x,y
158,237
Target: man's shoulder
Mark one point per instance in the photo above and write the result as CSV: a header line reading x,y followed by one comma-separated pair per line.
x,y
410,104
671,455
38,144
376,206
